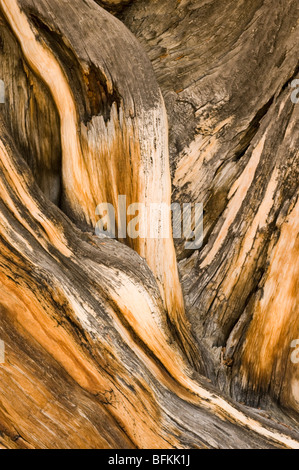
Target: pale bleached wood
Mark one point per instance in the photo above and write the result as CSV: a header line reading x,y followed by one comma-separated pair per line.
x,y
88,314
225,70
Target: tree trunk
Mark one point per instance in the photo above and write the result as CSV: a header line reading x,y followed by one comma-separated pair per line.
x,y
143,342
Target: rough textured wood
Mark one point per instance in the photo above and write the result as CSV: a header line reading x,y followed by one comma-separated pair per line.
x,y
225,70
131,128
99,350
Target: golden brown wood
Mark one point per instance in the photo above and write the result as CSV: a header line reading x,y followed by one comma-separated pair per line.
x,y
100,351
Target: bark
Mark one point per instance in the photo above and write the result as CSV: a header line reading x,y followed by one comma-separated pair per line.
x,y
106,346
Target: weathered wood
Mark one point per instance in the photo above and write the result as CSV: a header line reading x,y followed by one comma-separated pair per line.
x,y
225,70
128,123
80,313
99,351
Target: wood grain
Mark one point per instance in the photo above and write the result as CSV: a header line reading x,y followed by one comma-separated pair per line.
x,y
100,349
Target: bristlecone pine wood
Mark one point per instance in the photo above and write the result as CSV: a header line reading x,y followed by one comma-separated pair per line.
x,y
140,343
